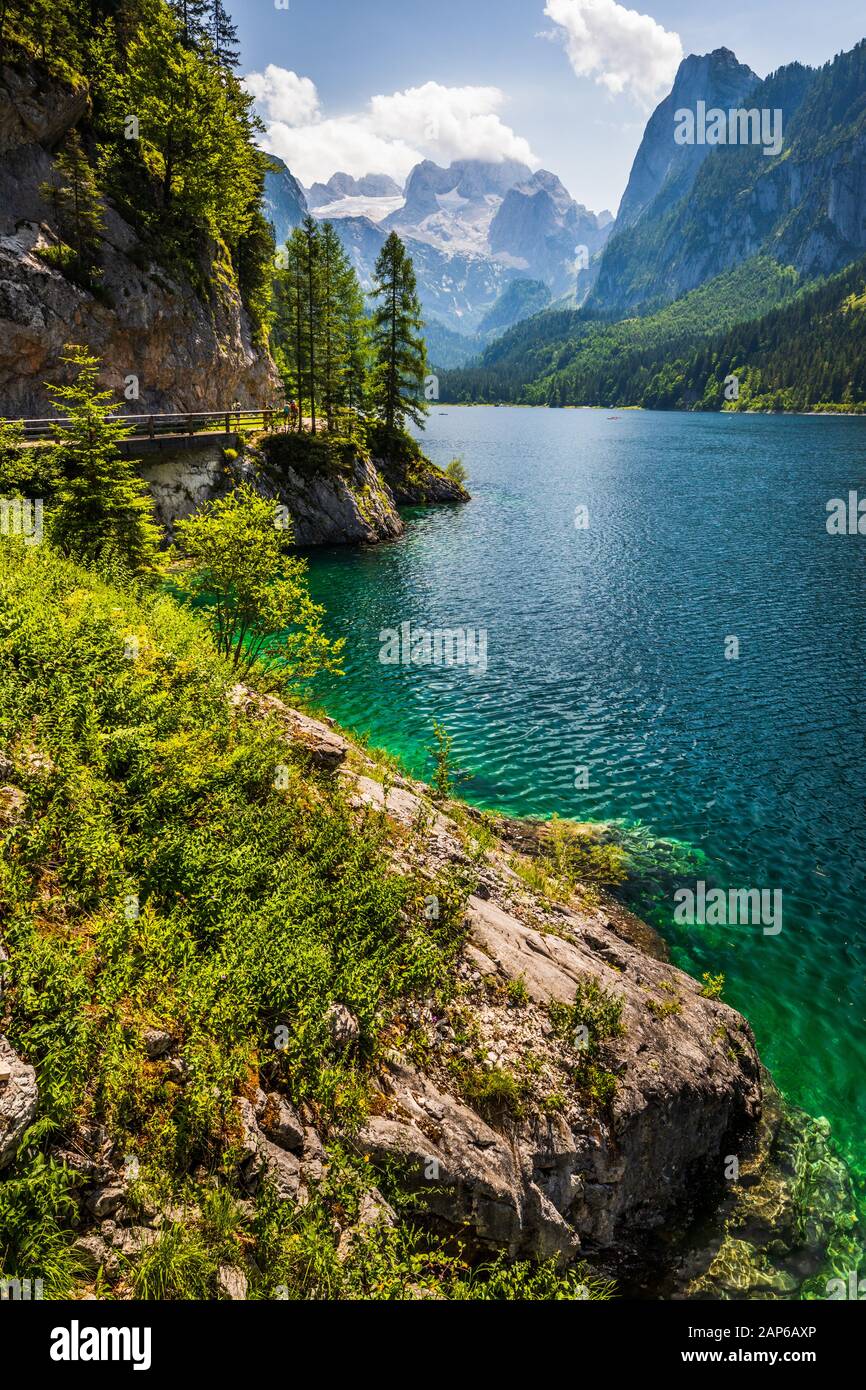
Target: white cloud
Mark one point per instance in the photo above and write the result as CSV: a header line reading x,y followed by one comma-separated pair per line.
x,y
390,136
623,50
285,96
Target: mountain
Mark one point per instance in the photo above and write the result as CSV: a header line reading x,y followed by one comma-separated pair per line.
x,y
805,206
453,208
284,202
541,227
456,289
519,300
344,186
662,169
473,230
711,239
573,357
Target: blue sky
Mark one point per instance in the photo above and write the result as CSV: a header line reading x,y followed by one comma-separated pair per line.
x,y
478,77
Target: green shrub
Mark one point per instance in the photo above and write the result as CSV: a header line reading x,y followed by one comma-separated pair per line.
x,y
713,985
310,455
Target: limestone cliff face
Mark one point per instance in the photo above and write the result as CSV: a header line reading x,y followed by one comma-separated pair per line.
x,y
187,352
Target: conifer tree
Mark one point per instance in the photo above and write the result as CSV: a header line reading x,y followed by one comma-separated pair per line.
x,y
343,342
194,16
291,317
103,511
311,264
223,35
74,195
399,349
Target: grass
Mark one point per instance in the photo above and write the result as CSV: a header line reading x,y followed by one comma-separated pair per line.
x,y
163,877
594,1019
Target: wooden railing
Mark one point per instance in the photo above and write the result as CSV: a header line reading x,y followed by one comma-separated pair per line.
x,y
180,423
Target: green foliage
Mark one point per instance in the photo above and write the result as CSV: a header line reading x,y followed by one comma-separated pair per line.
x,y
713,985
178,1265
523,1281
494,1092
25,471
311,455
258,603
256,906
445,775
321,331
456,471
573,357
580,859
593,1020
398,347
595,1009
74,195
103,513
38,1208
190,179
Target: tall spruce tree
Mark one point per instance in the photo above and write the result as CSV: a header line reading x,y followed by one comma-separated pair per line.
x,y
312,289
223,35
399,350
321,332
103,511
194,16
342,339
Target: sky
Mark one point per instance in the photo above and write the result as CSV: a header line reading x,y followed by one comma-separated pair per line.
x,y
372,86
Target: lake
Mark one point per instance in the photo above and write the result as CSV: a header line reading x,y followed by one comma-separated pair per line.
x,y
674,641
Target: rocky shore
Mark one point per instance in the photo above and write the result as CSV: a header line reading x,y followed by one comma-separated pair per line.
x,y
536,1164
357,504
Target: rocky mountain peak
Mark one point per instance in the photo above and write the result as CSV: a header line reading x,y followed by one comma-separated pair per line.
x,y
719,79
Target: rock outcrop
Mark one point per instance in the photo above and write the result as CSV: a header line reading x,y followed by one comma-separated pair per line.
x,y
574,1175
335,510
19,1097
188,352
490,1113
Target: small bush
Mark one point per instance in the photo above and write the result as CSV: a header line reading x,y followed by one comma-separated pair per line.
x,y
311,455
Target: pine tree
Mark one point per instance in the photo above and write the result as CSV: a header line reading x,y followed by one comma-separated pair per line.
x,y
194,16
311,265
223,35
103,511
399,349
291,317
344,343
74,195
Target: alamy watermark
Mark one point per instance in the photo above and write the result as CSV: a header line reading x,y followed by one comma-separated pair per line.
x,y
737,126
719,907
440,646
847,518
21,1290
21,516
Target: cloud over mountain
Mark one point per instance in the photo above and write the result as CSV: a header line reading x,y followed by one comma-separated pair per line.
x,y
621,49
392,134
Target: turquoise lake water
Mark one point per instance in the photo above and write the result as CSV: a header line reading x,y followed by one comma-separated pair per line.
x,y
606,651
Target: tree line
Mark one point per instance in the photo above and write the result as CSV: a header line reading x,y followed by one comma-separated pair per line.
x,y
804,352
338,360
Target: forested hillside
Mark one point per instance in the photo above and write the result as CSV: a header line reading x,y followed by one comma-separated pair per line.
x,y
573,358
166,133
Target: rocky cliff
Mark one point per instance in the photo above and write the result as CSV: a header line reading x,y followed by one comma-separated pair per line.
x,y
186,349
692,212
355,503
